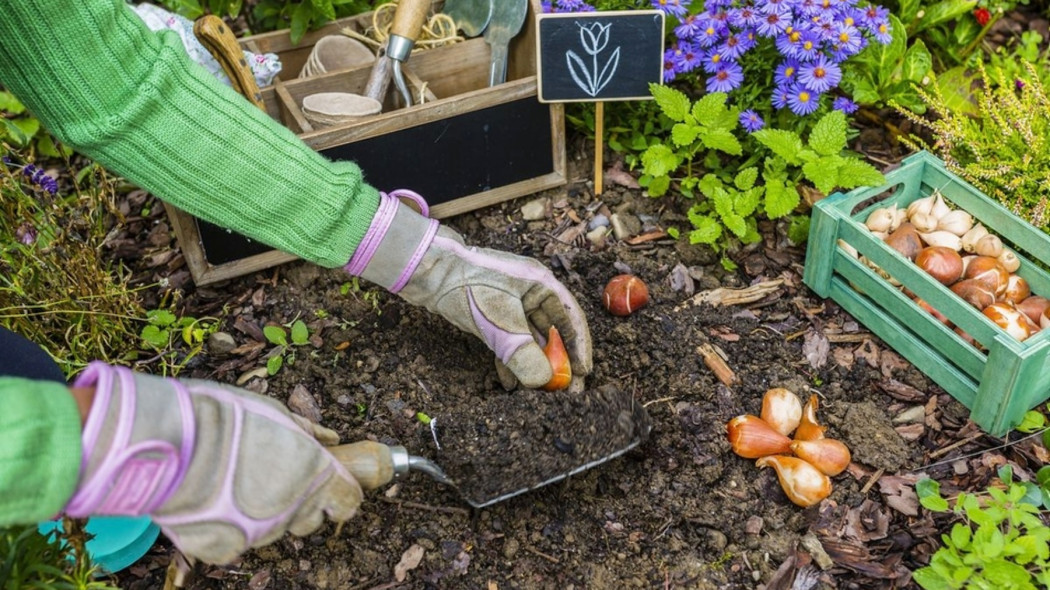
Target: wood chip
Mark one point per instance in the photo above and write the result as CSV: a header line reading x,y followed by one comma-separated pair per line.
x,y
410,560
715,359
723,296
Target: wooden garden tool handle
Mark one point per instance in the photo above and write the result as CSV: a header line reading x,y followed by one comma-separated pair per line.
x,y
409,18
220,41
371,463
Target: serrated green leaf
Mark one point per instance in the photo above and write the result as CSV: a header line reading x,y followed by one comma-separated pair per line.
x,y
828,137
274,364
722,140
907,9
658,186
961,535
780,200
746,178
1004,574
823,173
710,185
160,317
943,12
300,333
785,144
707,231
154,336
660,160
917,62
275,335
683,134
14,133
929,492
673,103
735,224
853,172
10,104
798,229
746,202
710,109
722,201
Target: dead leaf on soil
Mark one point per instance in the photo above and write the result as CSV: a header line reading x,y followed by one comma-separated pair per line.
x,y
890,361
304,404
410,560
901,391
260,580
899,493
843,357
815,348
615,174
868,352
868,522
910,432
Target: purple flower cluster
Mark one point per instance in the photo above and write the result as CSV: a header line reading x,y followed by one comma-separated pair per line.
x,y
812,39
35,174
565,6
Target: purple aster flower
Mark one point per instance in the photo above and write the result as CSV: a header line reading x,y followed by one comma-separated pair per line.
x,y
788,42
848,39
710,32
712,61
780,97
751,121
670,69
726,78
675,8
808,8
688,28
745,16
882,32
851,15
687,58
735,46
809,48
801,100
874,15
773,23
545,6
786,73
824,25
844,104
821,75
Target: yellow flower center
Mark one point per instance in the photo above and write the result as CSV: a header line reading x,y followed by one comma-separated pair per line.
x,y
844,37
807,45
795,36
788,72
818,73
803,96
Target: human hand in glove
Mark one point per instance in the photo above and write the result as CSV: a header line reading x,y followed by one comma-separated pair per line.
x,y
508,301
220,469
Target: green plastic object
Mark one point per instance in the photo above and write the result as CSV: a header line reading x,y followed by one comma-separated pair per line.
x,y
118,542
999,385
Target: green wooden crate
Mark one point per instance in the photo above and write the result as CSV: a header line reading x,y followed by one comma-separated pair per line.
x,y
998,386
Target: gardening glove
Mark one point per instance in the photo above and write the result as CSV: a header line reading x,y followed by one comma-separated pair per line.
x,y
506,300
220,469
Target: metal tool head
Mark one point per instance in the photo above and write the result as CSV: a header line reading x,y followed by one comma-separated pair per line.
x,y
470,16
507,18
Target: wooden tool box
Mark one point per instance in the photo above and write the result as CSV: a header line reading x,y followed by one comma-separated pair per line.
x,y
467,146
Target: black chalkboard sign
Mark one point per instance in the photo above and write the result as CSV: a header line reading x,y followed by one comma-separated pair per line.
x,y
599,56
442,160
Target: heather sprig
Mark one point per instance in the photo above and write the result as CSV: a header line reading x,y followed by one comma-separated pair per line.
x,y
811,39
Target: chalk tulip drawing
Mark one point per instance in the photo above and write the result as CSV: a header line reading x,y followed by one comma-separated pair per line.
x,y
594,37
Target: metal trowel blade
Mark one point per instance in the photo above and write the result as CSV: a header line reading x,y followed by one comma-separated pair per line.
x,y
470,16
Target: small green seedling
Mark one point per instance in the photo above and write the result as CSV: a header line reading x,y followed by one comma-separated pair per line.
x,y
284,350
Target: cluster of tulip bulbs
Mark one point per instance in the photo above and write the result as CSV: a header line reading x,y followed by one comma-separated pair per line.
x,y
965,257
787,437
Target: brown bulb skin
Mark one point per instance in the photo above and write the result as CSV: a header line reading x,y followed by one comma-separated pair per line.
x,y
625,294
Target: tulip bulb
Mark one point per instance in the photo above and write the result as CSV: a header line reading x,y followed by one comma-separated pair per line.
x,y
924,222
939,208
751,437
559,360
957,222
969,239
988,270
945,239
1034,307
940,317
1008,258
1044,320
1006,316
808,428
920,206
782,410
905,240
1017,289
974,292
881,219
943,264
828,455
803,483
989,245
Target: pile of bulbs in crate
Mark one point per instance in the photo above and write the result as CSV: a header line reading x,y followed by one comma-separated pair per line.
x,y
965,257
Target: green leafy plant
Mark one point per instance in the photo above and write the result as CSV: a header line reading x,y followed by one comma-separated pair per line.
x,y
819,160
24,131
270,15
30,560
889,73
702,127
1001,541
1004,149
284,350
175,339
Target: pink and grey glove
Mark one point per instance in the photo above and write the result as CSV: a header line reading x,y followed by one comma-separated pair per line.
x,y
506,300
220,469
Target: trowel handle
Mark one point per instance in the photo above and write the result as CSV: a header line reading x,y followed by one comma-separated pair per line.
x,y
409,18
220,41
373,464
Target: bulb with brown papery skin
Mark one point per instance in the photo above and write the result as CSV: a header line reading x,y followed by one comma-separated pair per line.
x,y
808,427
782,410
830,456
1017,289
1033,307
559,360
1007,317
751,437
624,294
803,483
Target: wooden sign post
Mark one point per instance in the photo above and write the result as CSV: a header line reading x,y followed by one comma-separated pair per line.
x,y
599,56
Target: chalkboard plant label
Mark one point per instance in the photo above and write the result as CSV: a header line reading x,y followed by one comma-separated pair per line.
x,y
579,55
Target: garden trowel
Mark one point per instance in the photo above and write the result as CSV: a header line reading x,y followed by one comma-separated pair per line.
x,y
623,426
470,16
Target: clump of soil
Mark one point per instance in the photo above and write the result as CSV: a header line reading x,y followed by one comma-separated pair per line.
x,y
509,443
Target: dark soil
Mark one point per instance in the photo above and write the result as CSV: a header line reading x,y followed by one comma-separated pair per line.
x,y
678,511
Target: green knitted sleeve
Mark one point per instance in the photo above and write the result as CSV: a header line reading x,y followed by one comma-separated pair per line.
x,y
133,101
39,449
